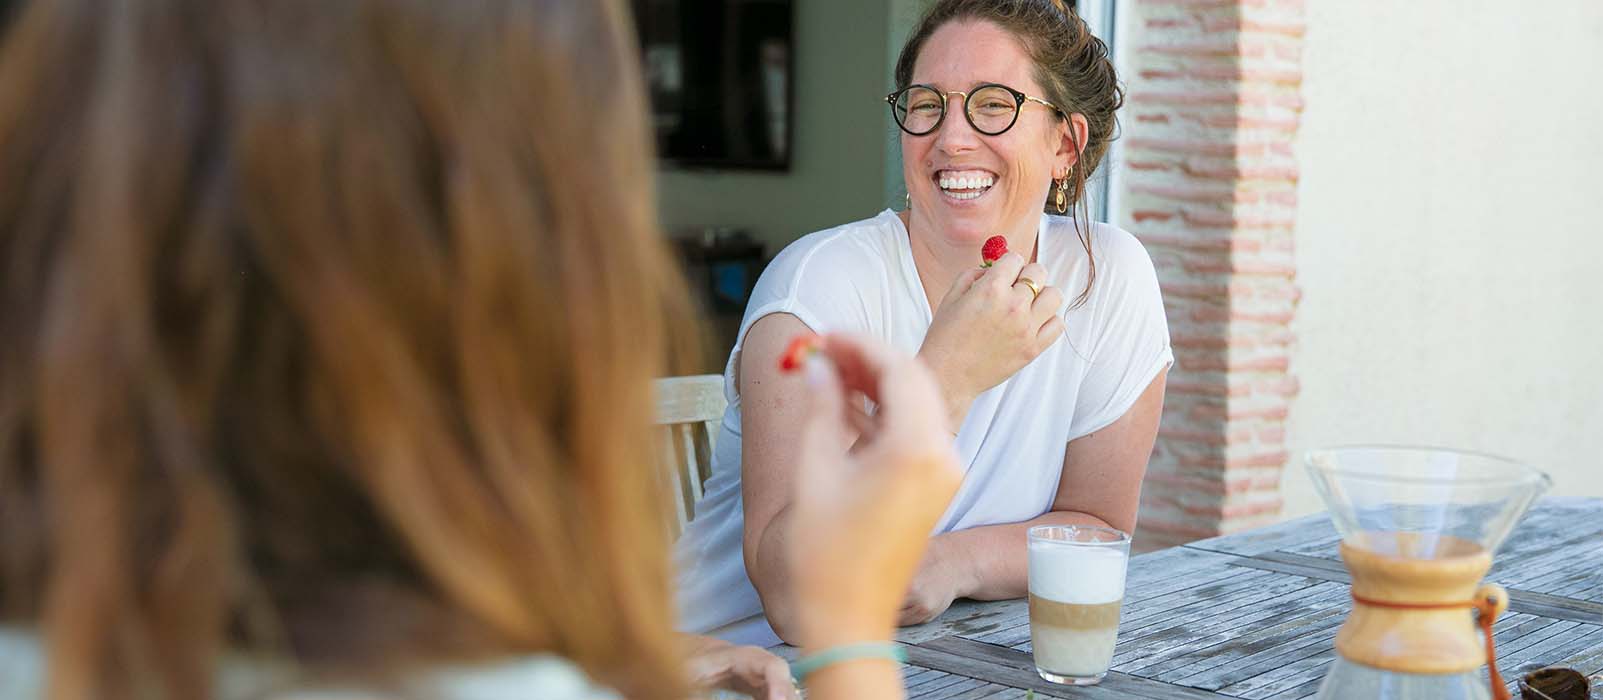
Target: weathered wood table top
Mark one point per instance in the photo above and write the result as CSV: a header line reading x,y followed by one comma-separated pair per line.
x,y
1254,615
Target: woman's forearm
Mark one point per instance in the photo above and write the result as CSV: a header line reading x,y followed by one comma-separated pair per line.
x,y
996,557
860,678
766,568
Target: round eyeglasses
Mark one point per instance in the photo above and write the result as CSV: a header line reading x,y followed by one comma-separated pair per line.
x,y
991,108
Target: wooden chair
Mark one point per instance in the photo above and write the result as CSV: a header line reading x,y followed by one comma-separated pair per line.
x,y
689,409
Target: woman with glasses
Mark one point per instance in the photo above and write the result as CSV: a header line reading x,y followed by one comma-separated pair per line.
x,y
1051,362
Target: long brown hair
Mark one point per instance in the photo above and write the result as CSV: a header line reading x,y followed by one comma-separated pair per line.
x,y
1073,68
326,329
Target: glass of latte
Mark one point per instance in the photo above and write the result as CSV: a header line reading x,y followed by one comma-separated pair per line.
x,y
1076,588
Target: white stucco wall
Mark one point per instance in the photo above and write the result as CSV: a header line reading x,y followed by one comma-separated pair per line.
x,y
1449,243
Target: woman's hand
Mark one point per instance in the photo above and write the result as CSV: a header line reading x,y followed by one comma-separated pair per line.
x,y
716,664
861,521
939,581
989,326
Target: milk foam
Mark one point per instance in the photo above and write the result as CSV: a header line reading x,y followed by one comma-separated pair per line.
x,y
1079,575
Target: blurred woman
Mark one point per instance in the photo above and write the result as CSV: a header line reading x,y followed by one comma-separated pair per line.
x,y
328,328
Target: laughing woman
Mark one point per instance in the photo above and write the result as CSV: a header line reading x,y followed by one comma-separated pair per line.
x,y
1005,109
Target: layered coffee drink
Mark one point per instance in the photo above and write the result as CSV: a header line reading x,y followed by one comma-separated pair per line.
x,y
1076,590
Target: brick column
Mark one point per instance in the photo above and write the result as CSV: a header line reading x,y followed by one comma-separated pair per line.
x,y
1210,187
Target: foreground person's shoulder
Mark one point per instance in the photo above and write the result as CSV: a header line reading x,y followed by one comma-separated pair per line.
x,y
540,676
546,677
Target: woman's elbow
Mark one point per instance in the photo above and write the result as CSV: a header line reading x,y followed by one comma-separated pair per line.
x,y
783,621
775,599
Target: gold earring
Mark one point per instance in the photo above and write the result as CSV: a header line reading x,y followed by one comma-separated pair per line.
x,y
1062,199
907,201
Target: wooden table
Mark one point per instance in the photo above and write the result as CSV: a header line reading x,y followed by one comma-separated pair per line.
x,y
1253,615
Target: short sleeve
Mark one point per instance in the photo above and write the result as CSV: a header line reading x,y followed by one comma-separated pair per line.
x,y
831,280
814,280
1129,333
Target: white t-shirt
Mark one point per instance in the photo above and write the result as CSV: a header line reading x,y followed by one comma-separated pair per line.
x,y
22,677
860,278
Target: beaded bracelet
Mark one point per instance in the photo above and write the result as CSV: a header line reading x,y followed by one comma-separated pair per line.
x,y
847,652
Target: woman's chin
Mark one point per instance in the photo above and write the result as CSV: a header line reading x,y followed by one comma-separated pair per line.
x,y
974,232
964,222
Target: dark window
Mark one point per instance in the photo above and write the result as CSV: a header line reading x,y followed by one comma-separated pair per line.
x,y
720,75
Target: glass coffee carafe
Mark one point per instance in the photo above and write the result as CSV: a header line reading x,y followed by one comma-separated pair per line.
x,y
1418,529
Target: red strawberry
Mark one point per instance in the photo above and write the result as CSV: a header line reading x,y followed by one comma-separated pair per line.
x,y
801,347
995,247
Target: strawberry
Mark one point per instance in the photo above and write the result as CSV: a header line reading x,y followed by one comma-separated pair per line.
x,y
995,247
801,347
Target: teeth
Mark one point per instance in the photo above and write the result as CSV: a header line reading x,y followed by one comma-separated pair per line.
x,y
966,182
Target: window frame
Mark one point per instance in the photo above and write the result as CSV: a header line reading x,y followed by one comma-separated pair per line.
x,y
1104,19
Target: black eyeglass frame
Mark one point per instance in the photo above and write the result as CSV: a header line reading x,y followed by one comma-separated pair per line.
x,y
1019,99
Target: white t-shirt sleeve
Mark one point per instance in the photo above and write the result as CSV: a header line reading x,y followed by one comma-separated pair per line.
x,y
814,280
830,280
1129,338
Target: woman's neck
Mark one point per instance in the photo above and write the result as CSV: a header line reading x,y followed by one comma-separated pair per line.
x,y
939,260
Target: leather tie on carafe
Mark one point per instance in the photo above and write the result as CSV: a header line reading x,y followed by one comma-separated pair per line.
x,y
1485,603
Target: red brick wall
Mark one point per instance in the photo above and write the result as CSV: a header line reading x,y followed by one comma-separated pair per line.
x,y
1210,186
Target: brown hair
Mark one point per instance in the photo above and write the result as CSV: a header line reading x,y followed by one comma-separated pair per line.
x,y
1072,67
328,329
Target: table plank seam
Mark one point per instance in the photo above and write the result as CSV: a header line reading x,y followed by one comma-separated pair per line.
x,y
1520,600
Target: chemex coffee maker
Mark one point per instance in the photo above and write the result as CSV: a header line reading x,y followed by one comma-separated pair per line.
x,y
1418,528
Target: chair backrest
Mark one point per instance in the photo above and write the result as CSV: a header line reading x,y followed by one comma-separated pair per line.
x,y
689,410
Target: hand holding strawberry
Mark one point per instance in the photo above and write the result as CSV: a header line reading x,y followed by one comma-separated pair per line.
x,y
861,518
990,325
